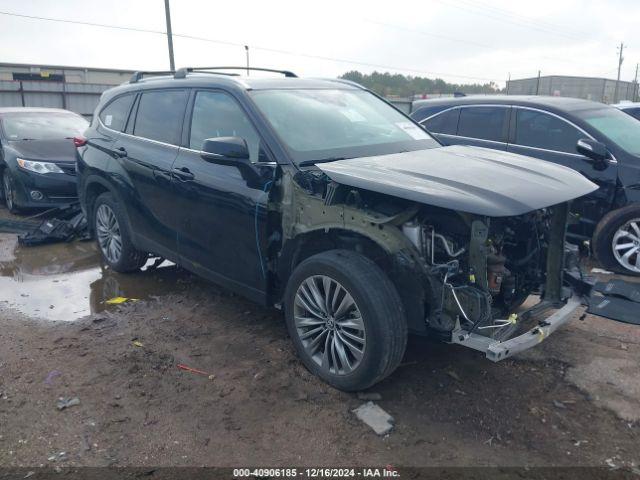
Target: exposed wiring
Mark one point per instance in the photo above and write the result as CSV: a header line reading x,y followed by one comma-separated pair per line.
x,y
265,190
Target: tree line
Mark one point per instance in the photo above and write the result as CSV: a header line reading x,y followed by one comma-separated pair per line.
x,y
394,84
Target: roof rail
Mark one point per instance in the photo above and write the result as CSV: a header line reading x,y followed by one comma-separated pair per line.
x,y
137,76
182,72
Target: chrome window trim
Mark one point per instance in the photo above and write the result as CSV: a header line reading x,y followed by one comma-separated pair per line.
x,y
200,152
157,142
494,105
470,138
465,106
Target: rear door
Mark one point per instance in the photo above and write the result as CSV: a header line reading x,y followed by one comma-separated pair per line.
x,y
547,136
483,126
146,156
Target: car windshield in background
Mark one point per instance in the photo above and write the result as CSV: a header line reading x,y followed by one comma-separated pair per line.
x,y
42,126
615,125
318,125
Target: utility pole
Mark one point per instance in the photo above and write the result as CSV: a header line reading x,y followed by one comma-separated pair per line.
x,y
246,48
538,84
167,14
508,82
635,81
620,60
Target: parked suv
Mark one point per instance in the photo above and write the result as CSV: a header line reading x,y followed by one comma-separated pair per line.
x,y
597,140
37,156
319,198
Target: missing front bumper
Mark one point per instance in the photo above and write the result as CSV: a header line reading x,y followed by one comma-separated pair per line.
x,y
496,350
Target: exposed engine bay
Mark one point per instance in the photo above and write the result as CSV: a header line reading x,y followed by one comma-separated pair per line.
x,y
487,267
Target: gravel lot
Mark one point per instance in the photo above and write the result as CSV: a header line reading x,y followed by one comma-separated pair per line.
x,y
574,400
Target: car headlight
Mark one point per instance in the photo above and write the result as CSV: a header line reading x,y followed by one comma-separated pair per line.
x,y
39,167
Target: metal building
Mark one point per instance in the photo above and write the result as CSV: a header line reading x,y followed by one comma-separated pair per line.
x,y
73,88
588,88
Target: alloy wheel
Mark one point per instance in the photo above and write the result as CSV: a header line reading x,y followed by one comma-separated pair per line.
x,y
626,245
329,325
108,233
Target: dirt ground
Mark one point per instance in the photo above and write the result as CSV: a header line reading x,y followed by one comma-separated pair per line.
x,y
572,401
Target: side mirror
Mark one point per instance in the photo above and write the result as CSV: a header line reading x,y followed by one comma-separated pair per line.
x,y
592,149
225,148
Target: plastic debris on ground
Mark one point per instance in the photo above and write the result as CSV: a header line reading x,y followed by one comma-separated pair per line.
x,y
62,224
119,300
195,370
375,417
68,402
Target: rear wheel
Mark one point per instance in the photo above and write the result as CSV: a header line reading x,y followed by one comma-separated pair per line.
x,y
9,191
113,236
346,319
616,240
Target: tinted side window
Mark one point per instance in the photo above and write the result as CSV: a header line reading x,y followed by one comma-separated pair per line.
x,y
538,129
485,123
634,112
446,122
160,115
115,114
217,114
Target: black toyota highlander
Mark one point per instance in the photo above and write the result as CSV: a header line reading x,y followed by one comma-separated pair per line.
x,y
321,199
38,158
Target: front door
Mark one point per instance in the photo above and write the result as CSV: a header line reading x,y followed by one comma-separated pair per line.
x,y
223,206
546,136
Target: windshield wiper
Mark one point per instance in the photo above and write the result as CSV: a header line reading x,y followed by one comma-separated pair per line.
x,y
306,163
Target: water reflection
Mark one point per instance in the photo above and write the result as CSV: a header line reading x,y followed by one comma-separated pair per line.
x,y
67,281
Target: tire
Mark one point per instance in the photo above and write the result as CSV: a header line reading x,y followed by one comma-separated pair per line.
x,y
8,191
108,214
617,228
382,324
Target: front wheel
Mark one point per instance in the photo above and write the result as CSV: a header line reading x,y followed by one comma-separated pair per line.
x,y
114,239
9,191
616,240
346,319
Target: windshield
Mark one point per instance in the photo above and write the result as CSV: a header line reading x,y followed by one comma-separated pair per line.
x,y
333,124
617,126
42,125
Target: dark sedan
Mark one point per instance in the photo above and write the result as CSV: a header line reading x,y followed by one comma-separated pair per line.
x,y
597,140
38,158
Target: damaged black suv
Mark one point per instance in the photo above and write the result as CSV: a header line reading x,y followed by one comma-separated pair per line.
x,y
318,197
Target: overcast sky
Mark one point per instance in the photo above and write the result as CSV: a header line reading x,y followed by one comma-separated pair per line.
x,y
462,41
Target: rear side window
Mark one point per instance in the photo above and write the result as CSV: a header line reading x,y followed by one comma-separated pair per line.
x,y
484,123
445,122
160,115
216,114
634,112
541,130
115,114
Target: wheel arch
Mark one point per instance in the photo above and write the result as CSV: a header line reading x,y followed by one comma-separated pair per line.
x,y
400,267
94,186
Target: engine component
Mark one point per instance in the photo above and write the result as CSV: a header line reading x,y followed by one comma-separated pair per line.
x,y
496,272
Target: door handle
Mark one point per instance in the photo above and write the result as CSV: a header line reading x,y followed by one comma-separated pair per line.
x,y
120,152
183,173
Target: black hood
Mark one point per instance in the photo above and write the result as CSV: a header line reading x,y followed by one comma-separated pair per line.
x,y
62,150
468,179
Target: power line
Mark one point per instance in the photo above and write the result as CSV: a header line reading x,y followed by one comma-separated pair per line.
x,y
508,13
458,40
242,45
527,24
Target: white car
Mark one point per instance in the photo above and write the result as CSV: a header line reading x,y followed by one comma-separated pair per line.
x,y
632,108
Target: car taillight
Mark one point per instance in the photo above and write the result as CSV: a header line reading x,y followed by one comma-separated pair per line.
x,y
79,141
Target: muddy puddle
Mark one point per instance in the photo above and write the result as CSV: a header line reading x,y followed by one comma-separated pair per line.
x,y
68,281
